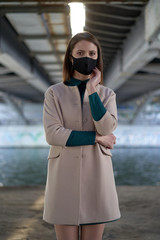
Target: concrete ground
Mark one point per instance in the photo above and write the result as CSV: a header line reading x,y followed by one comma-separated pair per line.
x,y
21,211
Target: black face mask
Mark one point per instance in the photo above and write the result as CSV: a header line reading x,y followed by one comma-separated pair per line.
x,y
84,65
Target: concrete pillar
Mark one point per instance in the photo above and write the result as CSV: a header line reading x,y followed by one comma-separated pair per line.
x,y
10,101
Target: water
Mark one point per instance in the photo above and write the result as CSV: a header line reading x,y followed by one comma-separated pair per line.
x,y
28,166
23,166
136,166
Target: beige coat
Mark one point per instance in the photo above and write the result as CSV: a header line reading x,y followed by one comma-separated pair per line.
x,y
80,184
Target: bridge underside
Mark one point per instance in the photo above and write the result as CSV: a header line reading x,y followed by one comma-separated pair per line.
x,y
34,36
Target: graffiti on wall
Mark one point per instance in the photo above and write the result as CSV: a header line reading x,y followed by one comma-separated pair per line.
x,y
127,135
22,136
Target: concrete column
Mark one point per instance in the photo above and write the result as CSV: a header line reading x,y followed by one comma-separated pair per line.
x,y
10,101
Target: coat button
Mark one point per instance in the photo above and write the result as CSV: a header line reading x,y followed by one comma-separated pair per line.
x,y
85,120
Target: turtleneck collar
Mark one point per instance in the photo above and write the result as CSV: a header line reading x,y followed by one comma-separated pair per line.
x,y
76,82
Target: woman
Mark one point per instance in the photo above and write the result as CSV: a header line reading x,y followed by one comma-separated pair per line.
x,y
79,117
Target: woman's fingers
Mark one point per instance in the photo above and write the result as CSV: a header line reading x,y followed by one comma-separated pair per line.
x,y
114,138
96,73
108,141
112,141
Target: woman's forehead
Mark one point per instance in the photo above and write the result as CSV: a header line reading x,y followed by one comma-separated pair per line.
x,y
85,45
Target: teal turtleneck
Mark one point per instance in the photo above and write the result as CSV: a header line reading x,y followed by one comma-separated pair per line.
x,y
81,86
79,138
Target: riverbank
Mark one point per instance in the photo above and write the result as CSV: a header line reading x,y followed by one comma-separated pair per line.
x,y
21,214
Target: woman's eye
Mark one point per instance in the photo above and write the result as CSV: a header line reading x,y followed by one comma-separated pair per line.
x,y
92,53
80,53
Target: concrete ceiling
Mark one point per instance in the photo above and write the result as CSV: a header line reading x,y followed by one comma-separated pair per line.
x,y
34,36
33,40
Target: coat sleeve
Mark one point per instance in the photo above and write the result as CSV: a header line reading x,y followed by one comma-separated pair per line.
x,y
108,123
55,132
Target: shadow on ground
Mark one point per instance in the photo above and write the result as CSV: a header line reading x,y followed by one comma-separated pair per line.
x,y
22,209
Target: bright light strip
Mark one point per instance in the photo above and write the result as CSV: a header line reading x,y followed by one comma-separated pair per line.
x,y
77,17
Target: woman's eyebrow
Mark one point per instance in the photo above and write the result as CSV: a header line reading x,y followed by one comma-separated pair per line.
x,y
84,50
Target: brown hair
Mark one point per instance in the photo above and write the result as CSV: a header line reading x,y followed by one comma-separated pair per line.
x,y
67,64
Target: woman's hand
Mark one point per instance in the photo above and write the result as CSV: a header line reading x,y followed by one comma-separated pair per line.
x,y
94,81
108,141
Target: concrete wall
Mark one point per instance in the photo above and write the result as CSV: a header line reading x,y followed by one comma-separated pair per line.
x,y
138,136
22,136
33,136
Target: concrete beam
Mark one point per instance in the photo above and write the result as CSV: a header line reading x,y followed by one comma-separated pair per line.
x,y
114,16
152,20
50,62
23,37
4,70
47,23
129,2
15,57
151,77
109,39
104,32
152,68
136,53
158,55
11,102
10,78
54,8
33,53
110,45
144,102
104,24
